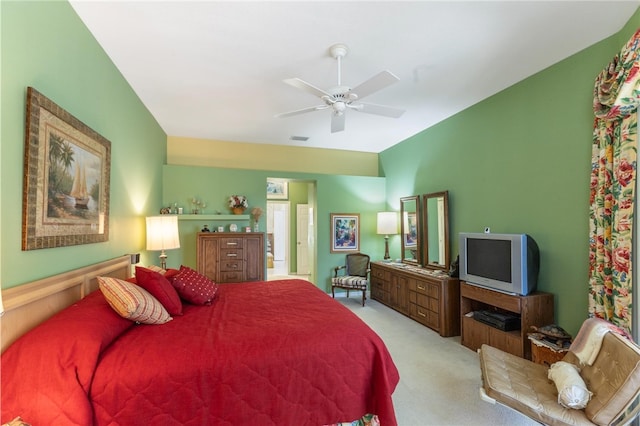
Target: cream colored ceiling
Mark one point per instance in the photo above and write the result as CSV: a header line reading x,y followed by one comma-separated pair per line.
x,y
214,69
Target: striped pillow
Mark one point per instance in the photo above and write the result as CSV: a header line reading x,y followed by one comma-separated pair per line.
x,y
133,302
157,269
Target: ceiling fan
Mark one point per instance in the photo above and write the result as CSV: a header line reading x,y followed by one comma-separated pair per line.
x,y
340,98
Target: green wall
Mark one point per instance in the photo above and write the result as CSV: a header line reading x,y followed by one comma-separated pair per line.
x,y
45,45
335,194
519,162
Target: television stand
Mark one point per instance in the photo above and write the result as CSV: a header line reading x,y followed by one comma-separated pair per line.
x,y
533,309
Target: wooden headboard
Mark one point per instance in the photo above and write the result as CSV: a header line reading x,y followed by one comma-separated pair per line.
x,y
30,304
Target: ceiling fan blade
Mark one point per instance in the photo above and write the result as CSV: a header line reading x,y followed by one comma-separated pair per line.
x,y
386,111
301,111
375,83
307,87
337,122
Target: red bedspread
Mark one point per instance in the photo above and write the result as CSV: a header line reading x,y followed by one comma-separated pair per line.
x,y
278,352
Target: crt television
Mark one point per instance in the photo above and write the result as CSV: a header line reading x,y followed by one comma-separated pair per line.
x,y
504,262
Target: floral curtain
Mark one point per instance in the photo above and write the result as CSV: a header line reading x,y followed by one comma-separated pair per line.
x,y
613,175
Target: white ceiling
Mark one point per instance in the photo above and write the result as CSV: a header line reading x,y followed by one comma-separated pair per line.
x,y
214,69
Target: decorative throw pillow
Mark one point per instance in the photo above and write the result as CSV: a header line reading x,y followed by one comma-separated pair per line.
x,y
160,288
194,287
132,302
156,269
171,274
16,422
572,391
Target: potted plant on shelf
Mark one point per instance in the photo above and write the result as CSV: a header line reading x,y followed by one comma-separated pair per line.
x,y
238,203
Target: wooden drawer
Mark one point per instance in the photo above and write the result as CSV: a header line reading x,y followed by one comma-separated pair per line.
x,y
380,274
425,302
425,316
377,285
231,243
429,289
231,254
231,265
380,295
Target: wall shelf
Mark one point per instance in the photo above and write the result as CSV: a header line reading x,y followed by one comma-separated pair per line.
x,y
210,217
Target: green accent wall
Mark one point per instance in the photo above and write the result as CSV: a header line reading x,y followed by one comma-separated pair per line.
x,y
45,45
334,194
519,162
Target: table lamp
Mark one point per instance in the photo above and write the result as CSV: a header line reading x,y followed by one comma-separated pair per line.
x,y
162,234
387,225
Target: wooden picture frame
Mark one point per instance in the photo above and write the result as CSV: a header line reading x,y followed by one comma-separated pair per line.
x,y
345,232
277,189
67,168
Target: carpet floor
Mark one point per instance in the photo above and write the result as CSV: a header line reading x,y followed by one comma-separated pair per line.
x,y
439,378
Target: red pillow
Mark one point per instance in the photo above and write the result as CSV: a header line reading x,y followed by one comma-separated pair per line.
x,y
194,287
160,288
170,274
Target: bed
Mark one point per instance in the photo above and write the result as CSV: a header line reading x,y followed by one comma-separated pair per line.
x,y
276,352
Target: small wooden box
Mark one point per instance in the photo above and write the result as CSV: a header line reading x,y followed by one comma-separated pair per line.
x,y
544,355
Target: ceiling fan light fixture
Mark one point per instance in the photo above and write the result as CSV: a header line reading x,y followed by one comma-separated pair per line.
x,y
339,107
341,97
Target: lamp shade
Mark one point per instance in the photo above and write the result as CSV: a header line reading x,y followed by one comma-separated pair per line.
x,y
162,232
387,223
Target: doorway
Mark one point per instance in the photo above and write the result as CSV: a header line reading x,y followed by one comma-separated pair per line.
x,y
291,233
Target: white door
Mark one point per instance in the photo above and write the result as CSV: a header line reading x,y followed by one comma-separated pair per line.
x,y
278,225
278,231
302,239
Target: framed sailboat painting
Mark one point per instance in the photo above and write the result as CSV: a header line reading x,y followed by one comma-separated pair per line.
x,y
67,168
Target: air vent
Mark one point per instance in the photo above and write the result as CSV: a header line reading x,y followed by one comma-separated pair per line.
x,y
299,138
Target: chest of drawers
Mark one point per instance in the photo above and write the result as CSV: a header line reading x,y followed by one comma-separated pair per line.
x,y
228,257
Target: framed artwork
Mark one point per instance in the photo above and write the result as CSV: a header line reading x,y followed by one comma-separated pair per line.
x,y
67,167
277,189
411,237
345,232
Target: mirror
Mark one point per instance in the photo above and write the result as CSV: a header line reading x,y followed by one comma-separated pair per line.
x,y
410,229
436,230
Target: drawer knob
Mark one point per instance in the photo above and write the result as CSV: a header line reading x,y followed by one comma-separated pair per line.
x,y
421,287
232,244
422,314
232,255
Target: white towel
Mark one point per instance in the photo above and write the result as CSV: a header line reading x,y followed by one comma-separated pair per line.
x,y
587,343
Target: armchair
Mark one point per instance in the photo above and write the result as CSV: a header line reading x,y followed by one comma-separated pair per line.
x,y
612,378
355,275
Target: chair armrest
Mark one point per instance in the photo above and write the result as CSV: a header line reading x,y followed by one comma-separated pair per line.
x,y
336,269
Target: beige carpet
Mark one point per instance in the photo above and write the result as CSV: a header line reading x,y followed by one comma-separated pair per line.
x,y
439,378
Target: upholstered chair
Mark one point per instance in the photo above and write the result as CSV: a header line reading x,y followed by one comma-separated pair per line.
x,y
354,275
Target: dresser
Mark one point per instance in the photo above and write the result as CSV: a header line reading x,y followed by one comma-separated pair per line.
x,y
227,257
429,297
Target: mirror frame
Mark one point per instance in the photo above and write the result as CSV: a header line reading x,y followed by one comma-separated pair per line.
x,y
425,230
418,255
